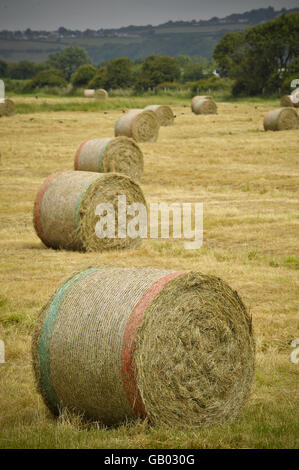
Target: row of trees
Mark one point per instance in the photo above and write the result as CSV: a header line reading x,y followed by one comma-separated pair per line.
x,y
67,61
262,59
72,65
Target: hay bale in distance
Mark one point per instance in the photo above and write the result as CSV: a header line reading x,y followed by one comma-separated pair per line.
x,y
118,155
101,94
174,347
8,108
289,101
64,211
281,119
139,124
164,114
203,105
88,93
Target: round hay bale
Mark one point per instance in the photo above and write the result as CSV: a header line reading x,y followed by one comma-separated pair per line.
x,y
119,154
89,93
139,124
203,105
64,211
101,94
116,344
8,108
164,114
281,119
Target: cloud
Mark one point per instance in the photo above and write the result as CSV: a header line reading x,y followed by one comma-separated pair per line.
x,y
95,14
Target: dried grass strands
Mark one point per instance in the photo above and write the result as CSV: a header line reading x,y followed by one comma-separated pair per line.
x,y
117,343
88,93
164,114
64,211
281,119
8,108
203,105
140,125
101,94
118,155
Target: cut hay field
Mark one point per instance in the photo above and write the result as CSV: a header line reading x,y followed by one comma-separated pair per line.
x,y
247,180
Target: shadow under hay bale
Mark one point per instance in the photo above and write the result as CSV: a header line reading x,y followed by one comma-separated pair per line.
x,y
139,124
164,114
175,347
65,209
118,155
8,108
203,105
281,119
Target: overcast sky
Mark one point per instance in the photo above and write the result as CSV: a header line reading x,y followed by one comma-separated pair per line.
x,y
95,14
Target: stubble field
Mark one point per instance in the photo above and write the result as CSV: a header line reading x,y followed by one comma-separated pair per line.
x,y
247,180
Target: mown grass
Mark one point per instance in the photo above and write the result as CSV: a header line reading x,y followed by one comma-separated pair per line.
x,y
41,104
247,180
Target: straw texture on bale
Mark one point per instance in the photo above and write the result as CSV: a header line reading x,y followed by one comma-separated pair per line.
x,y
281,119
64,211
115,344
101,94
289,101
164,114
141,125
118,155
8,108
89,93
203,105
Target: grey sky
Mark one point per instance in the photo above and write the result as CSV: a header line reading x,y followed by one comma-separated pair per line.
x,y
95,14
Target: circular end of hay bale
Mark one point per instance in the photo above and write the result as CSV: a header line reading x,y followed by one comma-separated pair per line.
x,y
122,155
203,366
175,347
164,114
66,211
8,108
281,119
89,93
203,105
101,94
140,125
118,155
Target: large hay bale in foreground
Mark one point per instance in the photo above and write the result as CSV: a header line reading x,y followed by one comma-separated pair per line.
x,y
89,93
119,154
65,206
139,124
281,119
164,114
289,101
101,94
203,105
8,108
117,343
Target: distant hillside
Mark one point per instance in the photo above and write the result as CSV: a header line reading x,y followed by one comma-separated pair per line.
x,y
174,38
